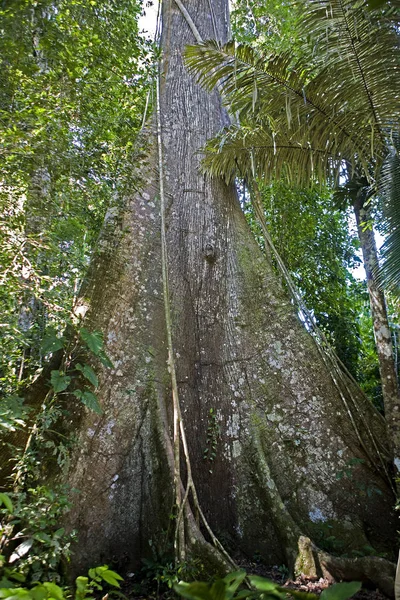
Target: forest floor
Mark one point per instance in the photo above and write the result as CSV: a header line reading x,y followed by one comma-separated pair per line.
x,y
304,584
277,574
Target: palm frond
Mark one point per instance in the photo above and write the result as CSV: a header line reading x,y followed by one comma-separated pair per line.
x,y
260,152
344,101
267,94
363,48
389,274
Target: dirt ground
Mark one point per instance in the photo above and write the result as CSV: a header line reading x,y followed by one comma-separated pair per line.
x,y
274,573
304,584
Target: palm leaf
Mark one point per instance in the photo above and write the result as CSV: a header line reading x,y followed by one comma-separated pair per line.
x,y
303,119
389,274
296,115
342,101
261,152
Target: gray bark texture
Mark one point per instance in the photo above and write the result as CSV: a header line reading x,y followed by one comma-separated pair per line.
x,y
382,334
288,457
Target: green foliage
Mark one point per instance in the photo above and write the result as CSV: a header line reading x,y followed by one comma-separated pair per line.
x,y
228,588
266,24
95,343
32,543
100,574
74,81
59,381
390,190
89,400
88,373
162,574
12,414
85,587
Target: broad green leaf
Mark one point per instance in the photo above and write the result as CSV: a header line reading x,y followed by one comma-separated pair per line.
x,y
16,576
5,583
93,340
82,587
90,400
262,584
233,580
15,594
341,591
111,577
193,591
59,381
92,572
105,360
299,594
60,532
39,592
218,590
6,500
54,590
88,372
81,583
52,343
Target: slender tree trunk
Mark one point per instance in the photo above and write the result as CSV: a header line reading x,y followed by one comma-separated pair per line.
x,y
277,447
32,313
382,334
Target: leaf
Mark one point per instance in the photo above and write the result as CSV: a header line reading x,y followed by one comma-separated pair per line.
x,y
54,590
93,340
111,577
60,532
105,360
262,584
21,550
88,372
5,583
51,342
15,594
59,381
6,500
193,591
341,591
233,580
92,572
39,592
16,576
218,590
82,587
89,399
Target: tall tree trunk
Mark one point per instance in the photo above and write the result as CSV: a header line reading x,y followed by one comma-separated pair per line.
x,y
382,334
277,448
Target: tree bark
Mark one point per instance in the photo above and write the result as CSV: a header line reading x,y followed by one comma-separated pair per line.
x,y
382,334
253,386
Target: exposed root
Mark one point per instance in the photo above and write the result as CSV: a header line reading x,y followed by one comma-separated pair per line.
x,y
216,560
304,557
313,562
